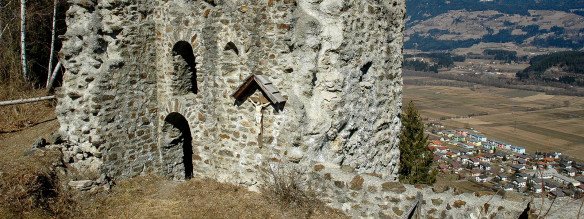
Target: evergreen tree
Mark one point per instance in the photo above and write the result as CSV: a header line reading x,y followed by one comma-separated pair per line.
x,y
415,157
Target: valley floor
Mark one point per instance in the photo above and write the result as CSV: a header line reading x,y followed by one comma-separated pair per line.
x,y
534,120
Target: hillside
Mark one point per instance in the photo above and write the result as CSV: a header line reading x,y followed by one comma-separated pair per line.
x,y
565,67
447,25
419,10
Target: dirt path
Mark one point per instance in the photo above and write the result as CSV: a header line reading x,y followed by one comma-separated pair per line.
x,y
15,143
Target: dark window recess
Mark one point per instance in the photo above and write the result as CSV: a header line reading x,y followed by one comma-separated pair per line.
x,y
178,138
231,46
185,68
365,70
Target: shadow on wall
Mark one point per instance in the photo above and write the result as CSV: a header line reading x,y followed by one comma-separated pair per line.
x,y
178,148
183,54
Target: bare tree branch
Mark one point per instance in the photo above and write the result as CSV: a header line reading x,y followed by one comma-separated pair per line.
x,y
487,203
563,206
2,7
54,76
542,191
4,29
551,205
22,101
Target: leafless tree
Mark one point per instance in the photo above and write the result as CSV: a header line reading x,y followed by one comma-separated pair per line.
x,y
5,27
52,52
23,38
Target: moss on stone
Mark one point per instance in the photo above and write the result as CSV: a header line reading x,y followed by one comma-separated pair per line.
x,y
437,201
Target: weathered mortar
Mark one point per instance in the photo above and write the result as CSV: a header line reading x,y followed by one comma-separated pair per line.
x,y
337,62
362,195
107,105
126,101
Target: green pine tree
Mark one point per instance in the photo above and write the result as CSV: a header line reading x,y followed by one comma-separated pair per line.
x,y
415,157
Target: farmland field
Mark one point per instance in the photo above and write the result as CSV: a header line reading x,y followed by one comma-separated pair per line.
x,y
537,121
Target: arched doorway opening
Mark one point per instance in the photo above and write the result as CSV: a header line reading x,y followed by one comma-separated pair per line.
x,y
184,78
177,148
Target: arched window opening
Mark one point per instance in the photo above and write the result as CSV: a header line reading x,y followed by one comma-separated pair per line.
x,y
177,148
231,46
184,79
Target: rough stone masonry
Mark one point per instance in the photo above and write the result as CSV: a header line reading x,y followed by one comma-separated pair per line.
x,y
148,86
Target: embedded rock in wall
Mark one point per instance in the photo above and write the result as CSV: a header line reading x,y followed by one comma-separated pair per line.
x,y
134,67
107,106
364,196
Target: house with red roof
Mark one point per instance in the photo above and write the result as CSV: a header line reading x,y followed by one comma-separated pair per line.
x,y
456,166
475,161
443,167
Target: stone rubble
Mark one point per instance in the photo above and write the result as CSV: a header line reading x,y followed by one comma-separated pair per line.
x,y
82,185
39,143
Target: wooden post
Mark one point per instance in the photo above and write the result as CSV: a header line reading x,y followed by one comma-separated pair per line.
x,y
415,209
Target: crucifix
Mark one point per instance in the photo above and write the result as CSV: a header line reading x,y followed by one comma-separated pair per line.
x,y
261,92
259,109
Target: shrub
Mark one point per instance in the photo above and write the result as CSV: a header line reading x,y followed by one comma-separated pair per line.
x,y
285,186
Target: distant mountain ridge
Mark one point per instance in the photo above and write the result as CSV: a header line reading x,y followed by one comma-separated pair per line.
x,y
438,25
419,10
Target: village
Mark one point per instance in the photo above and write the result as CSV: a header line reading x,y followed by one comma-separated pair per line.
x,y
505,167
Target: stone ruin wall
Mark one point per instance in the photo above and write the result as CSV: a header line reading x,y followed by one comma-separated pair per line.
x,y
336,62
366,196
316,54
108,102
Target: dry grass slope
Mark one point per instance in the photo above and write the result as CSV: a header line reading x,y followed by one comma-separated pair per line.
x,y
154,197
31,187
